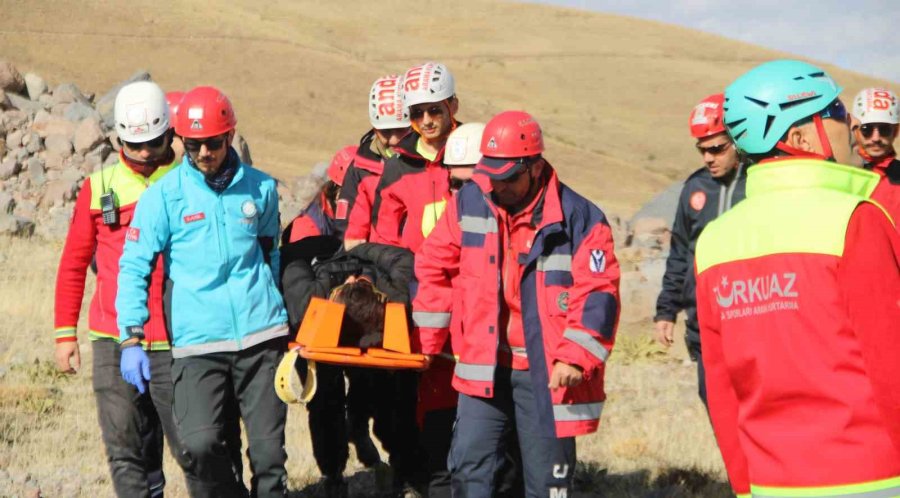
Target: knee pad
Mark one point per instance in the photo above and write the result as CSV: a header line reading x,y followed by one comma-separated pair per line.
x,y
203,445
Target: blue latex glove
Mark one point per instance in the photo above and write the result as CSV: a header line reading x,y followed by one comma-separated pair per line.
x,y
135,367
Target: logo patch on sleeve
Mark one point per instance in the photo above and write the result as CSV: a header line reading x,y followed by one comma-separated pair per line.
x,y
194,217
698,200
133,234
598,261
341,209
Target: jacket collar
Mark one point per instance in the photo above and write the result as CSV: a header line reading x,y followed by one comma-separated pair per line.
x,y
197,176
807,174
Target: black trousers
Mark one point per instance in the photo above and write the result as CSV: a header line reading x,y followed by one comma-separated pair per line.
x,y
133,424
205,386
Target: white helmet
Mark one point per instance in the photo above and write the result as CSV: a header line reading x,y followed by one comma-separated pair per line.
x,y
426,83
876,105
141,112
464,145
386,104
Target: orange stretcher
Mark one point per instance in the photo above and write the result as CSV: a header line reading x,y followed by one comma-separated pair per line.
x,y
320,331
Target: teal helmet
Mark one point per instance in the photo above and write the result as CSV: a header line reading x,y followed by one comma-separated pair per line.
x,y
763,104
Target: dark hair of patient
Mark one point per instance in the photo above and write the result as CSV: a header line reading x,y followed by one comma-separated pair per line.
x,y
363,325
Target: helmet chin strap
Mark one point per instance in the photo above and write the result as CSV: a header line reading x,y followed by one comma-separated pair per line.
x,y
827,153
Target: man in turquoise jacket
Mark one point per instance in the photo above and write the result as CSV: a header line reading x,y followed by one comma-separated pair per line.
x,y
214,221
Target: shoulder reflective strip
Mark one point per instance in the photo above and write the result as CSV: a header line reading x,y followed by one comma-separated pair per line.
x,y
467,371
588,342
431,319
474,224
555,262
885,488
576,413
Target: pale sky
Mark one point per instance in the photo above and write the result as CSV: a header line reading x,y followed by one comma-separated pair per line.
x,y
860,35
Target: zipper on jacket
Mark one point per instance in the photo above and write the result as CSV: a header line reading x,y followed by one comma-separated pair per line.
x,y
225,242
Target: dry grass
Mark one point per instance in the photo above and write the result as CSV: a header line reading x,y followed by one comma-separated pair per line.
x,y
654,439
612,93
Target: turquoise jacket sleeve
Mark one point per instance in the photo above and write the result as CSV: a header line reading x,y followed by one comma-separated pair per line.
x,y
145,238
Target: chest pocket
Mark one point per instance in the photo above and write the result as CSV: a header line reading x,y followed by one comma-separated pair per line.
x,y
556,270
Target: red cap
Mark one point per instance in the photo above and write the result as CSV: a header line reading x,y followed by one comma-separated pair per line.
x,y
204,112
508,137
707,118
340,162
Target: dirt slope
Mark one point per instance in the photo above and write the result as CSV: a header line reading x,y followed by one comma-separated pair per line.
x,y
612,93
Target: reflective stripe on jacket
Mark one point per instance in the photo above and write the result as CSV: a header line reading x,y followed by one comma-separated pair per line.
x,y
224,296
89,238
569,291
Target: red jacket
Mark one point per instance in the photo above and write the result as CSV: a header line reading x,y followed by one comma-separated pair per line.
x,y
315,219
88,239
354,207
798,290
410,186
887,193
569,290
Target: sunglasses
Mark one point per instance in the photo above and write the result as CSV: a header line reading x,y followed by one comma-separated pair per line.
x,y
150,144
884,129
836,111
211,144
433,111
714,150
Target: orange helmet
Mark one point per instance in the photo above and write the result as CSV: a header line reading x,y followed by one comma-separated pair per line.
x,y
204,112
707,118
508,137
340,162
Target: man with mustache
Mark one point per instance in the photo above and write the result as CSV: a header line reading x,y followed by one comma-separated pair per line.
x,y
214,222
875,129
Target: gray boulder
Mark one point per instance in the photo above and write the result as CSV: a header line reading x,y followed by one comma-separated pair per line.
x,y
36,86
66,93
7,203
10,78
36,171
88,135
46,124
9,168
77,111
24,104
11,224
59,144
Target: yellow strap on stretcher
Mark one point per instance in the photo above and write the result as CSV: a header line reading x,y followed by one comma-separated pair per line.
x,y
288,383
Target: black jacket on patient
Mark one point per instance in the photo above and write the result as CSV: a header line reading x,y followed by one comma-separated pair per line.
x,y
316,266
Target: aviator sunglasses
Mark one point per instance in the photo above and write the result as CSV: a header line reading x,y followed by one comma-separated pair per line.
x,y
433,111
884,129
194,145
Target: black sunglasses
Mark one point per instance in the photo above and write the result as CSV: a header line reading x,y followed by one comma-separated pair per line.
x,y
150,144
714,150
433,111
211,144
884,129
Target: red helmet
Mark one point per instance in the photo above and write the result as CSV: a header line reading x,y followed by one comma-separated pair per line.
x,y
204,112
340,162
707,118
509,136
173,99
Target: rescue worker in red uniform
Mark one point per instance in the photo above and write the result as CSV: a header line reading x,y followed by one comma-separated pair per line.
x,y
132,421
798,296
318,217
415,179
533,347
877,114
390,124
707,193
